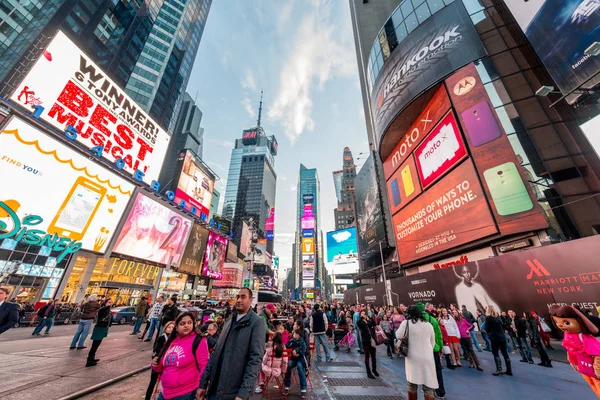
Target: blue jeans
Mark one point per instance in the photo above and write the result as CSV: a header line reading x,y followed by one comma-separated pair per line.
x,y
474,337
524,349
301,373
138,324
83,329
154,324
360,347
321,339
508,339
188,396
46,322
488,342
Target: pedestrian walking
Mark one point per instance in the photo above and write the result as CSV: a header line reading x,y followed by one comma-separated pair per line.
x,y
386,326
100,331
453,336
46,315
89,310
536,337
318,327
484,335
524,348
419,364
468,315
169,312
465,327
366,326
182,360
140,313
440,391
156,350
240,348
355,319
155,316
494,326
9,312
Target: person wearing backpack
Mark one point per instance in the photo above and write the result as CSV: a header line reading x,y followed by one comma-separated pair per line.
x,y
182,360
158,346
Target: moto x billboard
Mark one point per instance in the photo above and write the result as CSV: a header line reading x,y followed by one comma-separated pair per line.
x,y
442,44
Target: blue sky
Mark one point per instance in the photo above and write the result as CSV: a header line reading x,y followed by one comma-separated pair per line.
x,y
302,54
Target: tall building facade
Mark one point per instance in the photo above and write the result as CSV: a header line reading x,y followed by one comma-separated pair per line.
x,y
214,204
345,212
494,61
147,47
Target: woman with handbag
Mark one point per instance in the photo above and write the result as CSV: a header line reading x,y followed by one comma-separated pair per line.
x,y
416,340
100,331
536,337
366,326
447,321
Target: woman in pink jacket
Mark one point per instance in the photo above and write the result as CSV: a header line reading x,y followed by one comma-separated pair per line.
x,y
182,361
465,327
274,363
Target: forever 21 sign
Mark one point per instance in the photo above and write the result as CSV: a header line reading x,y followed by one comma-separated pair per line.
x,y
441,45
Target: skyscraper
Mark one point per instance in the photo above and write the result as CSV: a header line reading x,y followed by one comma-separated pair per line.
x,y
252,180
147,47
345,213
337,184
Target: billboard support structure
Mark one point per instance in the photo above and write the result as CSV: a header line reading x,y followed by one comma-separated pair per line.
x,y
387,289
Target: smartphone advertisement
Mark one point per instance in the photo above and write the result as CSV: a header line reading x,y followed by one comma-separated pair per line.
x,y
440,151
76,198
451,213
153,232
216,251
404,185
195,184
66,88
342,252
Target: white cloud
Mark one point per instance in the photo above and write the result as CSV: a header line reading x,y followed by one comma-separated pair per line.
x,y
249,82
225,58
341,236
248,107
316,56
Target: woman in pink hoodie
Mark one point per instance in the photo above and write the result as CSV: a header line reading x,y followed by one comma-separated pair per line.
x,y
179,367
464,328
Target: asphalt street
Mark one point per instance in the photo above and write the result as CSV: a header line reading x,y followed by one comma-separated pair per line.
x,y
44,367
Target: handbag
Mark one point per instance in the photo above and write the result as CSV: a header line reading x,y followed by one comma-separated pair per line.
x,y
380,336
545,327
403,346
447,350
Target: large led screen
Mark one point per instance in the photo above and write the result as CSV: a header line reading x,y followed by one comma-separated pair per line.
x,y
76,197
371,228
65,87
195,186
191,261
308,271
560,31
153,232
342,252
216,251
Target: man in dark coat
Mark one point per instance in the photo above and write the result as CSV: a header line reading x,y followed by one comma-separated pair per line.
x,y
236,361
9,312
140,313
46,317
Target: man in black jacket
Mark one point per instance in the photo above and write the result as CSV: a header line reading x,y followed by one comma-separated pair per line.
x,y
9,312
46,316
236,361
169,313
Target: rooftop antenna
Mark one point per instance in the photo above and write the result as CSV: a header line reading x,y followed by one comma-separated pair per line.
x,y
260,109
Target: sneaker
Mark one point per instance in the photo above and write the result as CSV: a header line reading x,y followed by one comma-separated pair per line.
x,y
523,360
303,394
82,347
531,362
258,389
148,340
46,333
329,360
71,348
286,391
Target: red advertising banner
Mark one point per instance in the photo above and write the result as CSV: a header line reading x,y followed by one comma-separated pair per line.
x,y
506,186
435,110
440,151
404,185
451,213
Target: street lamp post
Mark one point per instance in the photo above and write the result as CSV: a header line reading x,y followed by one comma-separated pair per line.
x,y
387,291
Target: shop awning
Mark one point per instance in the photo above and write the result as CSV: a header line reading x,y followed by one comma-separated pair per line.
x,y
120,285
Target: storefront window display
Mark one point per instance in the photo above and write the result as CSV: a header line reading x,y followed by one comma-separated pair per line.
x,y
172,283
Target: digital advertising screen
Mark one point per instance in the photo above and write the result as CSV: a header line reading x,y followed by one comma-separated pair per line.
x,y
191,261
76,198
153,232
232,252
246,240
214,258
260,253
195,185
233,276
67,88
250,137
308,271
342,252
369,210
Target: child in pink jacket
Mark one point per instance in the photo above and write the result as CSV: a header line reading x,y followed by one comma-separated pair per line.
x,y
180,368
274,363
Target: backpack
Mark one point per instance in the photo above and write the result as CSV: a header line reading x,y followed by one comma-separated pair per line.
x,y
195,345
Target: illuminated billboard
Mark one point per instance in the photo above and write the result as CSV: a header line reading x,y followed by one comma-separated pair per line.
x,y
250,137
195,185
369,210
191,261
232,252
260,253
308,246
270,220
342,252
233,276
246,240
65,87
153,232
308,234
308,271
216,251
76,198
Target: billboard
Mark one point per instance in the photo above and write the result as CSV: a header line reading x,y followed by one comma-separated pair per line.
x,y
233,276
308,233
195,184
308,271
432,51
246,240
371,228
191,261
260,253
65,87
560,32
404,185
274,145
270,220
75,197
153,232
451,213
342,252
214,258
441,150
232,252
308,198
270,235
250,137
308,246
308,222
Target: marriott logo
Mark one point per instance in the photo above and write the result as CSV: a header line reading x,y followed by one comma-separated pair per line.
x,y
536,267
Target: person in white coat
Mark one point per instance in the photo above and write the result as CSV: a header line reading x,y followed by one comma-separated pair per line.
x,y
419,364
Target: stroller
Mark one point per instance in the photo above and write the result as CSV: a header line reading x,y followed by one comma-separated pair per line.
x,y
348,339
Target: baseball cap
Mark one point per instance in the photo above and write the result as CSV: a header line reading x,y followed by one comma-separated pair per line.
x,y
271,307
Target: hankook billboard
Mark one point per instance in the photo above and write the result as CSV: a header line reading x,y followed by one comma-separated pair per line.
x,y
445,42
65,87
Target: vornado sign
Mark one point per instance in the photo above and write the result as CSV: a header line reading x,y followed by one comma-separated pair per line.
x,y
441,45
